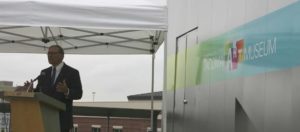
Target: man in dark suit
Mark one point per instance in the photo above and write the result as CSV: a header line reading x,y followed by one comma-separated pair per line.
x,y
61,82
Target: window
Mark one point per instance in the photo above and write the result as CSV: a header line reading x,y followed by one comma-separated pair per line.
x,y
75,128
4,122
149,129
158,129
96,128
117,128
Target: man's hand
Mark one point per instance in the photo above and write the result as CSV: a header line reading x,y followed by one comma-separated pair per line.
x,y
28,86
62,87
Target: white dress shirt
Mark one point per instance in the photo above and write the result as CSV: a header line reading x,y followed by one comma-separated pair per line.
x,y
58,69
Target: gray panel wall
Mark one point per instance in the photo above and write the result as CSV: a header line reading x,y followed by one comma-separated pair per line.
x,y
265,102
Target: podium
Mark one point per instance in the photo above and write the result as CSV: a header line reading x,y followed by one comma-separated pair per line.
x,y
34,112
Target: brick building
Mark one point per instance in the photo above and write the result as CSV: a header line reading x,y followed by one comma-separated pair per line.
x,y
125,119
86,124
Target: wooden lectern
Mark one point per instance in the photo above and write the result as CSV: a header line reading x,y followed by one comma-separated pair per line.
x,y
34,112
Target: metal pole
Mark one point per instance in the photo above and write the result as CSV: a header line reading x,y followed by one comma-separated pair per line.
x,y
93,96
152,90
108,119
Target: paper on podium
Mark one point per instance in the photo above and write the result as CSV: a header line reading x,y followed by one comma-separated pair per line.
x,y
37,96
18,94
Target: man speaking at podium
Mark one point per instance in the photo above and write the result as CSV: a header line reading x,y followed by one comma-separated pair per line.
x,y
61,82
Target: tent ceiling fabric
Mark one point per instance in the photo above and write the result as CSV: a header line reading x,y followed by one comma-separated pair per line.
x,y
101,14
82,27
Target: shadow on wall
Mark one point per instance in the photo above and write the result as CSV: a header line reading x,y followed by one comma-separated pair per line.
x,y
242,121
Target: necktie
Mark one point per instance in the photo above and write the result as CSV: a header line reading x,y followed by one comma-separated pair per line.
x,y
53,76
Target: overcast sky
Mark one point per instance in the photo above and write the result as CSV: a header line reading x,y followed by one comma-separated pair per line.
x,y
112,77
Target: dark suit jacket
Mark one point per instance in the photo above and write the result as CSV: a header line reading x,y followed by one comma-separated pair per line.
x,y
73,81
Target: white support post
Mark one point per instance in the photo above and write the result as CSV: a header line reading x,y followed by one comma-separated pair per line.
x,y
152,90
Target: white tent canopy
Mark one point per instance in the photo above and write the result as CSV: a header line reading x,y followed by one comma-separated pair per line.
x,y
82,26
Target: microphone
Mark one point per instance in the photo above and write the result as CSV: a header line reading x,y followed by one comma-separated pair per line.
x,y
37,78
